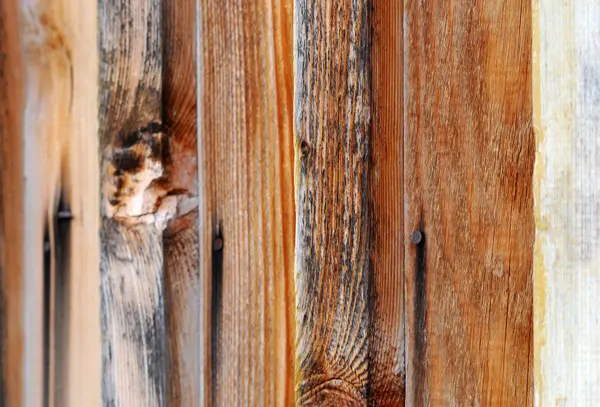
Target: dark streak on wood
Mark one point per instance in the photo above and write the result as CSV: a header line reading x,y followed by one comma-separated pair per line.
x,y
216,308
419,354
332,116
46,247
61,306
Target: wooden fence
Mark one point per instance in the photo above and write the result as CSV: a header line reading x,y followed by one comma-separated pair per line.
x,y
299,202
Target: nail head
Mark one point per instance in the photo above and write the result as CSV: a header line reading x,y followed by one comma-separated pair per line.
x,y
217,244
416,237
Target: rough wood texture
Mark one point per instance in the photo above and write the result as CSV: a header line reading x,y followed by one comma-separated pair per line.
x,y
11,203
246,190
182,295
386,332
567,203
332,134
469,150
135,203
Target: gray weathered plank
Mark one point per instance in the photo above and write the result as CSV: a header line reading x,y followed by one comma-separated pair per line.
x,y
332,136
135,205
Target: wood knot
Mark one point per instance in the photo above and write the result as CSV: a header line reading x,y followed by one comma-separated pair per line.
x,y
305,147
333,392
135,172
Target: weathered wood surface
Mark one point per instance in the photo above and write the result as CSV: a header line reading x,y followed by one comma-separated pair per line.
x,y
332,125
566,93
11,202
135,203
246,201
386,329
469,150
181,261
61,341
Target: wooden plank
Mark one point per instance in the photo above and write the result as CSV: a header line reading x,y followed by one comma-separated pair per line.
x,y
566,86
332,134
11,203
61,203
47,131
246,211
181,251
469,152
135,203
386,332
78,345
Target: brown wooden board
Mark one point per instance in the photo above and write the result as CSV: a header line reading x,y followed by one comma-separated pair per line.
x,y
246,201
11,201
181,262
386,329
469,152
332,124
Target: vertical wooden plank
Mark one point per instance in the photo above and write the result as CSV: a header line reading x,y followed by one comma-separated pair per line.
x,y
332,136
61,203
135,203
47,131
469,152
181,262
566,269
246,214
11,204
76,297
386,332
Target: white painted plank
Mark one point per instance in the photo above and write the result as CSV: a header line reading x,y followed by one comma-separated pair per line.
x,y
566,88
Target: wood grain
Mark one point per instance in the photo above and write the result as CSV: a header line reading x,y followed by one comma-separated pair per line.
x,y
135,203
11,203
386,331
469,152
246,156
566,93
181,251
332,126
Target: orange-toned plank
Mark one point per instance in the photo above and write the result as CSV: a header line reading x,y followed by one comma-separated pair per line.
x,y
181,262
386,332
245,156
469,153
11,204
